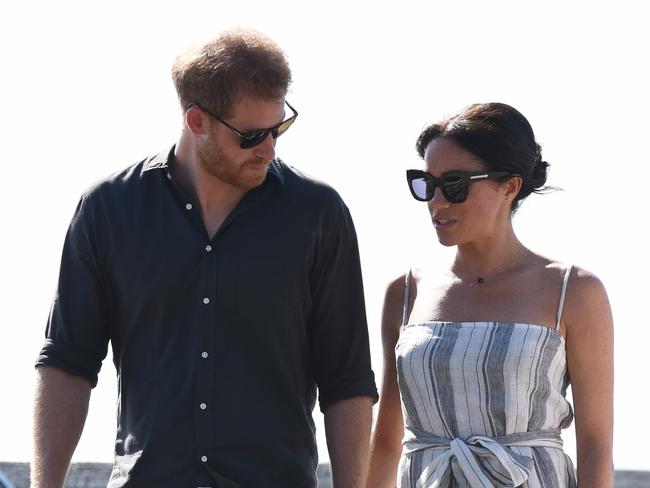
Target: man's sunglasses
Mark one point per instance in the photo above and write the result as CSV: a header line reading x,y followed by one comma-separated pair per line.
x,y
454,185
254,137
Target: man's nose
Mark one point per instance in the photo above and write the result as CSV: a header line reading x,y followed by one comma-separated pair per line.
x,y
266,148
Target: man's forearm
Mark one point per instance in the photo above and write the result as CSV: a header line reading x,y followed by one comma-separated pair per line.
x,y
60,408
347,427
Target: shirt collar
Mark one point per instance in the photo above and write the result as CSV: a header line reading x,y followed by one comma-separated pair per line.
x,y
161,161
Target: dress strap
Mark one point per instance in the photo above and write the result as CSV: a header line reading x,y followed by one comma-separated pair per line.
x,y
567,273
405,307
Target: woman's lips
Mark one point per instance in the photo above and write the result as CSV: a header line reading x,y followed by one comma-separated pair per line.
x,y
443,223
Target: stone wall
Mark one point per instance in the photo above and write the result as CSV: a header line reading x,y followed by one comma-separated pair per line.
x,y
95,475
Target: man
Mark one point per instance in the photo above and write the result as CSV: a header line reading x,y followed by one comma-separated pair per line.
x,y
229,287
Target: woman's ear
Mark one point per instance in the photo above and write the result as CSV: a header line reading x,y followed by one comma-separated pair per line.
x,y
512,186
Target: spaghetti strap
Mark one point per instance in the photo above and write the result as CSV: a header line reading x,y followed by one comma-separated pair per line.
x,y
567,272
405,307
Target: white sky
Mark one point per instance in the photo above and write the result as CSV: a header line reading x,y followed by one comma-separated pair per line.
x,y
85,90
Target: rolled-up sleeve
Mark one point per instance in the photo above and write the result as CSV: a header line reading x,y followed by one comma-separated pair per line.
x,y
76,336
338,325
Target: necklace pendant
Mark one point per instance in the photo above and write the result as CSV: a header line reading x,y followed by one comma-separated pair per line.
x,y
477,281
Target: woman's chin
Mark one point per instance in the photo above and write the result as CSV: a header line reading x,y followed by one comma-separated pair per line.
x,y
446,240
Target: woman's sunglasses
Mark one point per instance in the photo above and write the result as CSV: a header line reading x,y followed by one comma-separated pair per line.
x,y
254,137
454,185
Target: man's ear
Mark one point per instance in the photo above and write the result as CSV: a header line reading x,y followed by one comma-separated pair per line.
x,y
196,120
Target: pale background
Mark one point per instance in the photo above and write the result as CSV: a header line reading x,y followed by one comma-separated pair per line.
x,y
85,90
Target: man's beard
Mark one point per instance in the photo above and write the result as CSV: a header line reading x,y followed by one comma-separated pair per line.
x,y
215,162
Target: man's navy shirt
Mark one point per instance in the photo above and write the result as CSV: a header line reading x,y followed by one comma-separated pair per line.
x,y
221,343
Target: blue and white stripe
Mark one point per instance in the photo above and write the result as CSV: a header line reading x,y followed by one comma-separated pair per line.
x,y
472,386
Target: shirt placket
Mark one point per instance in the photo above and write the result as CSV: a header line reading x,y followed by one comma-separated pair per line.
x,y
206,301
207,324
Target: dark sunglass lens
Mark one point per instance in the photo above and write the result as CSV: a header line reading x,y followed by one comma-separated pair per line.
x,y
253,138
455,189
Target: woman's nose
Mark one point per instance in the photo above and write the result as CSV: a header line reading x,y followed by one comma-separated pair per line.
x,y
438,201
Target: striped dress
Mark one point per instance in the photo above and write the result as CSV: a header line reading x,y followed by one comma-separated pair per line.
x,y
483,404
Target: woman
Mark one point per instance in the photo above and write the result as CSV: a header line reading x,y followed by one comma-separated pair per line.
x,y
478,354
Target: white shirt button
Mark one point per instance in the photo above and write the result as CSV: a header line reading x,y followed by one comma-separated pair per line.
x,y
208,248
204,354
206,300
188,206
204,459
203,406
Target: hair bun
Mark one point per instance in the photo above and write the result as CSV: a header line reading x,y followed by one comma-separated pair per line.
x,y
539,173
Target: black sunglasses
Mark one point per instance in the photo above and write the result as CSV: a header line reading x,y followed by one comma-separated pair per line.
x,y
454,185
254,137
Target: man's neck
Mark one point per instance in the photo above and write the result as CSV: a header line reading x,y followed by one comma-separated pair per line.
x,y
215,198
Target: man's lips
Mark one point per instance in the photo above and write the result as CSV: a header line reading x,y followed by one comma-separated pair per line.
x,y
258,165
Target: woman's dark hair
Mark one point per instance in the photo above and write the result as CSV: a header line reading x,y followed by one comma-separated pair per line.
x,y
501,137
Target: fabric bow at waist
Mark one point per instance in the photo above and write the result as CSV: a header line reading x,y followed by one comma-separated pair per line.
x,y
478,461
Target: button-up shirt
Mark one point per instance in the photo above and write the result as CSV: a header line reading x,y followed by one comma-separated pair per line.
x,y
220,343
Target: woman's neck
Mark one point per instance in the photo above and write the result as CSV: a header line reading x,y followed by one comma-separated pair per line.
x,y
481,260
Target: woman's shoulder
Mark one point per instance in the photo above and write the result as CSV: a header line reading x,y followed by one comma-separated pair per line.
x,y
586,303
554,268
577,277
582,281
396,285
585,278
586,286
393,308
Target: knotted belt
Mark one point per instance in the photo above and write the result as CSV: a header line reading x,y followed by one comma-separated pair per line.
x,y
477,461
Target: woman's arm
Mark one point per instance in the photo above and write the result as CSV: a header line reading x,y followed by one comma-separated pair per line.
x,y
590,344
386,443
